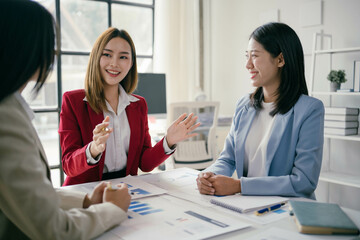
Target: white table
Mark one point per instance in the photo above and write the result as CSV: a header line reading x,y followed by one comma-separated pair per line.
x,y
185,188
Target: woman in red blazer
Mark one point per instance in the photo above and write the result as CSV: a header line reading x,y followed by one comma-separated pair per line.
x,y
103,128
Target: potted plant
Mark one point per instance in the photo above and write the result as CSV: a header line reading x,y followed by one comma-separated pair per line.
x,y
336,78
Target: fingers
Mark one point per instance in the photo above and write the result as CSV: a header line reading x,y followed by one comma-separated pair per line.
x,y
100,187
122,186
189,118
102,128
193,127
181,118
204,186
120,196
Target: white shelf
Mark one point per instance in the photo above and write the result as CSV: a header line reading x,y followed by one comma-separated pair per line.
x,y
349,138
339,50
342,179
329,176
337,93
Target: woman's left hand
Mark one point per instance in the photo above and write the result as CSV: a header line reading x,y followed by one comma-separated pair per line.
x,y
181,129
224,185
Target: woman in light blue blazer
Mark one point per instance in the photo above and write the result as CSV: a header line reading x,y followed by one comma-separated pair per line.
x,y
276,139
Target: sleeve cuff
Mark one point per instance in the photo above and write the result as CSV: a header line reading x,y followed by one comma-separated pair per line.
x,y
89,158
70,199
167,149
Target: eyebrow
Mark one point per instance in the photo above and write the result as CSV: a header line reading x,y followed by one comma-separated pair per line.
x,y
252,51
113,51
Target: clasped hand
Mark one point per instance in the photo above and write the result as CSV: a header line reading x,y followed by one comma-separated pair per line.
x,y
211,184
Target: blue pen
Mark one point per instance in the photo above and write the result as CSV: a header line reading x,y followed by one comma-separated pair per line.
x,y
269,209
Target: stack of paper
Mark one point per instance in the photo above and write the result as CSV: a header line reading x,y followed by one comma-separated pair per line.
x,y
341,121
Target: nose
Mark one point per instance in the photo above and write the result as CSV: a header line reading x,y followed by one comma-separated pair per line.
x,y
249,64
114,62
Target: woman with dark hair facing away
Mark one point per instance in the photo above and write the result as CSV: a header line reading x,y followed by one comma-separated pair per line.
x,y
30,208
276,139
104,132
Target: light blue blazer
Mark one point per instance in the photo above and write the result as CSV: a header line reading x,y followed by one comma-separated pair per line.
x,y
294,151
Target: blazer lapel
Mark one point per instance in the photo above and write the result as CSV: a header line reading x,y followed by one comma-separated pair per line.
x,y
244,126
280,124
95,118
135,136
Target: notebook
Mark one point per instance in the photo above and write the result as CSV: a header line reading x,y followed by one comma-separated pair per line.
x,y
243,204
321,218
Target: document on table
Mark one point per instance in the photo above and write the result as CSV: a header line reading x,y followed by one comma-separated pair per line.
x,y
181,183
267,218
174,218
137,187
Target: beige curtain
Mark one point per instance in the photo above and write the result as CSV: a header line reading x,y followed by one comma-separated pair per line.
x,y
176,50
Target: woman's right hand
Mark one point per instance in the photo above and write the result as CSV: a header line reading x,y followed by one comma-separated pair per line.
x,y
120,196
203,183
100,135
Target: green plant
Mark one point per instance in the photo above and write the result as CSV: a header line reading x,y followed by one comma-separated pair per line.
x,y
337,76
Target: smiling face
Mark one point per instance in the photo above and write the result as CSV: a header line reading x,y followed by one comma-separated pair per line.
x,y
115,61
264,69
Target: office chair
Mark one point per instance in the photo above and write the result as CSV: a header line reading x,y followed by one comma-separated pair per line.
x,y
200,151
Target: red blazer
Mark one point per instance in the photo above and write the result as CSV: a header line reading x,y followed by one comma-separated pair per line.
x,y
77,122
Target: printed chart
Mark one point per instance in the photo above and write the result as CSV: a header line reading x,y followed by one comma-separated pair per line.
x,y
174,218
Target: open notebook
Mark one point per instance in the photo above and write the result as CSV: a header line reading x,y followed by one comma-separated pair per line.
x,y
243,204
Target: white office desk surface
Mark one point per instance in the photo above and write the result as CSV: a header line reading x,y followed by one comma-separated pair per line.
x,y
182,179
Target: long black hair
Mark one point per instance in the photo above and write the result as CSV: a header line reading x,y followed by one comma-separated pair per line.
x,y
279,38
27,44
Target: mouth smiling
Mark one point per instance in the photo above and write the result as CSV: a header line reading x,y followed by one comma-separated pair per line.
x,y
112,73
253,74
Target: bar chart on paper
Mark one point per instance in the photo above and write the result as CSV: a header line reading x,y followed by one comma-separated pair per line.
x,y
142,208
175,219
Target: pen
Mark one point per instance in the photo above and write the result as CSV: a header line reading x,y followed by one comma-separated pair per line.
x,y
105,129
269,209
113,188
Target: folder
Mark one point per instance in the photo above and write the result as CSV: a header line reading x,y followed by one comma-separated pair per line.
x,y
321,218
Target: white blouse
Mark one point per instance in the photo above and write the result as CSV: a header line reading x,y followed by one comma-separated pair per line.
x,y
257,141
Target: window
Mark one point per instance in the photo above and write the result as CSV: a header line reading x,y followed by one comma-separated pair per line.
x,y
81,22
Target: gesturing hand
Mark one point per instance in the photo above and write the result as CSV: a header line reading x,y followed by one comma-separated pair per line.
x,y
181,129
100,135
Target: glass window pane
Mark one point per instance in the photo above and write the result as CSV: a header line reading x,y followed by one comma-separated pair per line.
x,y
55,177
148,2
144,65
47,96
46,125
73,72
138,22
81,23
